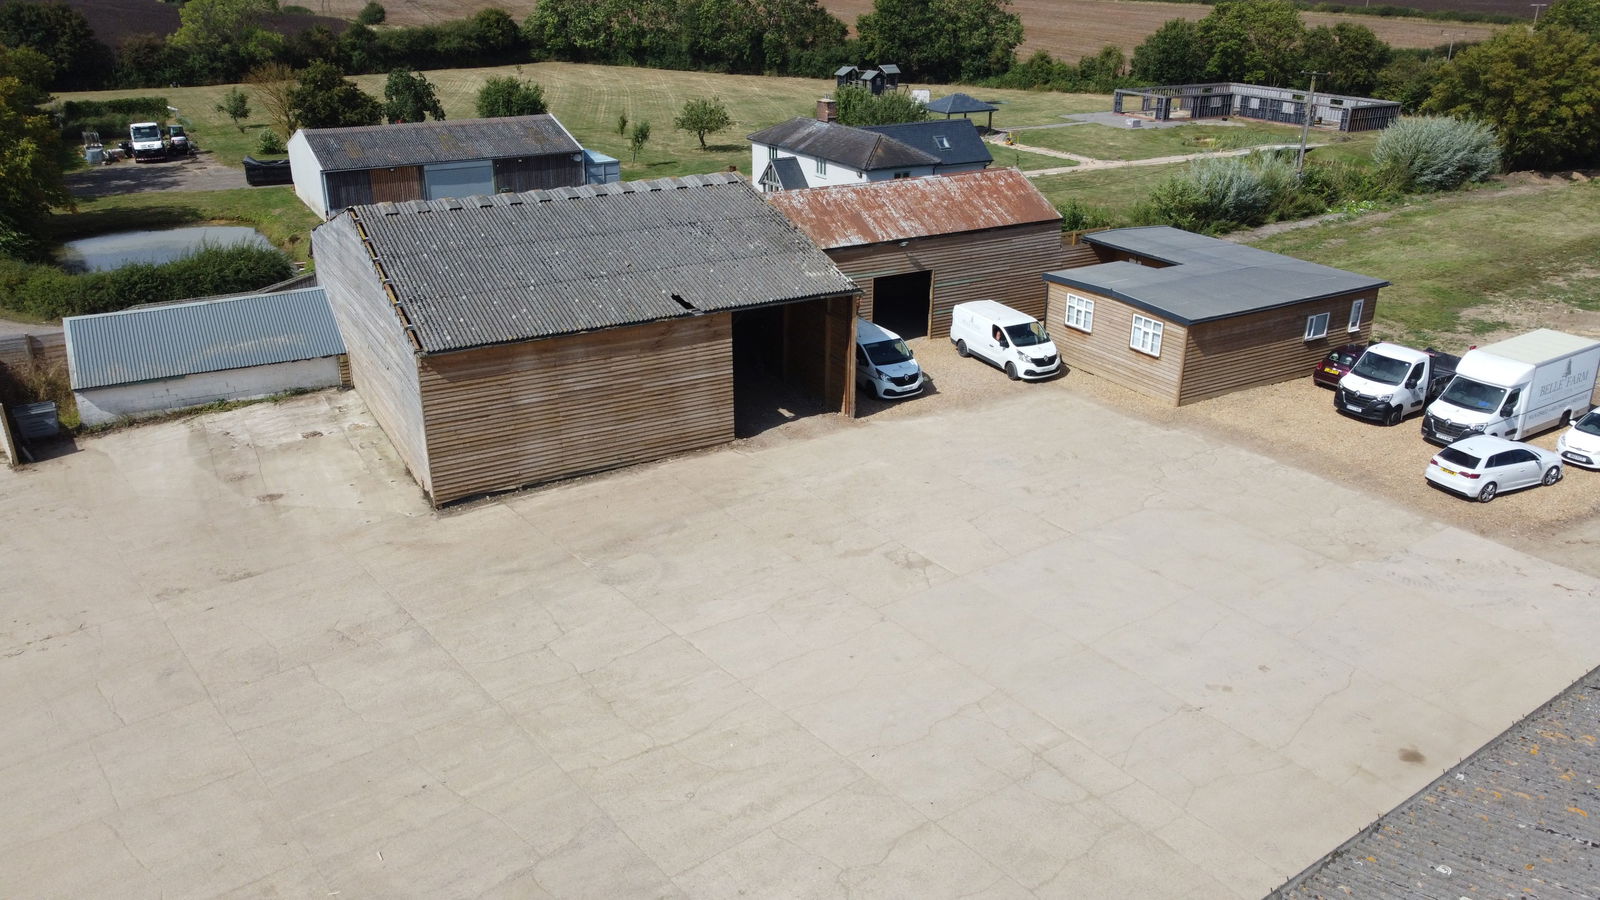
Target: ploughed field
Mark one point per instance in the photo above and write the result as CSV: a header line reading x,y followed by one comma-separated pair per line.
x,y
1066,28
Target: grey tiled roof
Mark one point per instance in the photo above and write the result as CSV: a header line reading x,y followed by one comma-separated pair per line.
x,y
788,173
513,267
175,339
1206,278
965,148
958,103
1518,818
422,143
856,148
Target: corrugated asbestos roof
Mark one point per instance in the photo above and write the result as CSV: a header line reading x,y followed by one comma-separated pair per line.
x,y
857,148
1207,278
513,267
958,104
879,211
964,146
422,143
201,336
1518,818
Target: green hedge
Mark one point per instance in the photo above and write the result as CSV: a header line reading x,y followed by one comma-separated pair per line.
x,y
50,292
110,118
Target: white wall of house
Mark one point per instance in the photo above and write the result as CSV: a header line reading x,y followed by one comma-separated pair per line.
x,y
99,406
830,173
307,172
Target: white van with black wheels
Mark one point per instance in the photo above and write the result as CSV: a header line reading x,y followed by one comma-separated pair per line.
x,y
884,364
1009,340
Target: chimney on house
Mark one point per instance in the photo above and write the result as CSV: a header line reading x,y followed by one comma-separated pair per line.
x,y
827,110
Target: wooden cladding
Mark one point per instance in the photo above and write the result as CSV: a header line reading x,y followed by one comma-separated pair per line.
x,y
538,173
503,417
818,338
396,185
1004,264
1105,349
1267,347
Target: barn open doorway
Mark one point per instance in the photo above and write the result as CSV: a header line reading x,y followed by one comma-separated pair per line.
x,y
791,361
903,303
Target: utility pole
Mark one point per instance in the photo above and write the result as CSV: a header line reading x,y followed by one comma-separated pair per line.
x,y
1536,8
1451,52
1305,123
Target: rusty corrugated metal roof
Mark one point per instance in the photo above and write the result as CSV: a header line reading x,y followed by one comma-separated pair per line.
x,y
879,211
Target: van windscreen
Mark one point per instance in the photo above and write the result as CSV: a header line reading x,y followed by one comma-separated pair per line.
x,y
1382,369
1474,395
1028,334
146,133
887,353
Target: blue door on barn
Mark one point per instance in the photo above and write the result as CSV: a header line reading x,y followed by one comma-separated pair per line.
x,y
461,179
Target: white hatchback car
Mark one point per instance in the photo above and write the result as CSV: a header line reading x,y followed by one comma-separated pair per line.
x,y
1482,467
1580,444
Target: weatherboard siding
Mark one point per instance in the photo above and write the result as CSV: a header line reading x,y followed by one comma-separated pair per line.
x,y
1003,264
1266,347
1104,350
383,362
499,418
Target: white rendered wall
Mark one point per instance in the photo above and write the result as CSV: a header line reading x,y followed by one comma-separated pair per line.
x,y
307,173
98,406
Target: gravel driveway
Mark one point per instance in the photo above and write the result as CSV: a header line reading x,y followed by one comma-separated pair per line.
x,y
195,173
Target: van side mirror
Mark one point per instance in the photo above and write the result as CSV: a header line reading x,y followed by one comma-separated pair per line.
x,y
1508,408
1412,382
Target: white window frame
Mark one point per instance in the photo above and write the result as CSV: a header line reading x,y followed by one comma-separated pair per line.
x,y
942,142
1145,336
822,166
1317,326
1080,313
1355,314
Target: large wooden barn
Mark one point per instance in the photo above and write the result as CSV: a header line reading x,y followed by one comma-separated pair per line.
x,y
520,338
1182,317
919,246
337,168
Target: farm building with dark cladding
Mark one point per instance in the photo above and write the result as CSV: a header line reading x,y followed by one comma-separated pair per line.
x,y
337,168
919,246
519,338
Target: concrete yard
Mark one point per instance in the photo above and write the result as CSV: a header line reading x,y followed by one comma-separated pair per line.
x,y
1034,647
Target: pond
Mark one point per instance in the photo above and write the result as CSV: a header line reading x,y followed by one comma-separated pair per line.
x,y
113,251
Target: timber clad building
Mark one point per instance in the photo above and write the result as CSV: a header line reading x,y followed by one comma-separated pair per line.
x,y
508,340
919,246
1182,317
337,168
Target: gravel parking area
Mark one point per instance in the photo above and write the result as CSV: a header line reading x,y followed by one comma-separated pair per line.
x,y
1294,424
195,173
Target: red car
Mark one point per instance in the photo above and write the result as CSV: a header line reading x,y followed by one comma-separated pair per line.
x,y
1336,364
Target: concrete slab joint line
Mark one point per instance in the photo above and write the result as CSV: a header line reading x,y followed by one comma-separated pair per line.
x,y
950,650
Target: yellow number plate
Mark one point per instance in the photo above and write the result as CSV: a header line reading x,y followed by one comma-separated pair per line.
x,y
1448,471
1330,371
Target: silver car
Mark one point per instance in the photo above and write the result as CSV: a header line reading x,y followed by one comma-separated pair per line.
x,y
1482,467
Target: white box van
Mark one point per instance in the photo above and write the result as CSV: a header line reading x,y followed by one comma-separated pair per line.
x,y
884,364
1517,387
1005,338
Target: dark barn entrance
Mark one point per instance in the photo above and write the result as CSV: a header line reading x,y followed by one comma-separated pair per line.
x,y
790,361
904,303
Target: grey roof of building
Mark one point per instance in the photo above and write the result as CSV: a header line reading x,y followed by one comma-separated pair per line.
x,y
889,69
424,143
1515,819
177,339
1206,278
857,148
845,70
478,271
958,103
966,145
787,171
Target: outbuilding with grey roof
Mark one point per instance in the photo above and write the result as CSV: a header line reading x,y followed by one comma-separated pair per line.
x,y
157,359
1183,317
335,168
520,338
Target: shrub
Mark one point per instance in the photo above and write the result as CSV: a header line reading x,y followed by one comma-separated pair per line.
x,y
505,95
372,14
49,292
1437,153
1211,195
269,144
1077,216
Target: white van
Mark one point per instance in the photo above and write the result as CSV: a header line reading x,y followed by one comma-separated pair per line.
x,y
884,364
1517,387
1005,338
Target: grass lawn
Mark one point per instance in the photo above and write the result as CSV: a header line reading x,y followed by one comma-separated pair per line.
x,y
588,99
1105,142
274,211
1027,162
1117,190
1455,252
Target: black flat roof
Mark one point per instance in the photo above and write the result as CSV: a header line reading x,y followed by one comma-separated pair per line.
x,y
1206,278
